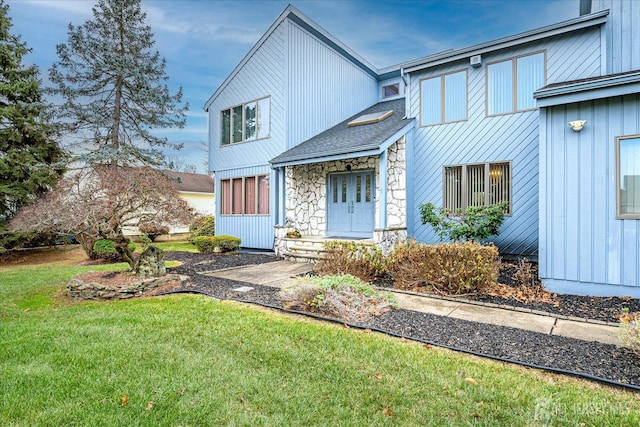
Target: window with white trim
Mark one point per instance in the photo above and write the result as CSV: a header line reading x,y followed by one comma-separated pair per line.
x,y
247,195
479,184
245,122
628,177
443,98
511,83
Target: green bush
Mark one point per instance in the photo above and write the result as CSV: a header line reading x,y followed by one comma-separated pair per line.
x,y
476,223
341,297
360,260
105,249
449,268
216,244
202,226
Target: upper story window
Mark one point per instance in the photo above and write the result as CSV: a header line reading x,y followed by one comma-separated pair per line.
x,y
443,99
246,122
511,83
628,177
389,91
480,184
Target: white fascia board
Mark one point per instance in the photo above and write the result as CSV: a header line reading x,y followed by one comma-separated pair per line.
x,y
579,23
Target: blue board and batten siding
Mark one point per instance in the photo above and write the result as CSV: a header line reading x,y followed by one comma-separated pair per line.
x,y
508,137
622,30
584,248
311,87
323,87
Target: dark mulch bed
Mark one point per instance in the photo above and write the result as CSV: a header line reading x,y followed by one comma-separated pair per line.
x,y
584,357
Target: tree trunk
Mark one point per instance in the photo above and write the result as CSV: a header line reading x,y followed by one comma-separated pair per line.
x,y
121,245
87,243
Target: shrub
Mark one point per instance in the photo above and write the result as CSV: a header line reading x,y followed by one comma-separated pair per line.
x,y
202,226
153,230
629,332
105,249
449,268
360,260
341,297
476,223
217,244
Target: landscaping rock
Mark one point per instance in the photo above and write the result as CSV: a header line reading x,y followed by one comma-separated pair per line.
x,y
151,263
77,288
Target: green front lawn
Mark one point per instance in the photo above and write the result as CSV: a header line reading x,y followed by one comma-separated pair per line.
x,y
192,360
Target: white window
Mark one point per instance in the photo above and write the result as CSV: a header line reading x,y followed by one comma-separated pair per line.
x,y
628,177
511,83
443,98
480,184
246,122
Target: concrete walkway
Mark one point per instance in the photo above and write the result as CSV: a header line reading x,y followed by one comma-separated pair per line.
x,y
282,274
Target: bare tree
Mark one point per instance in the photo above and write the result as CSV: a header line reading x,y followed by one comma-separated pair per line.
x,y
99,202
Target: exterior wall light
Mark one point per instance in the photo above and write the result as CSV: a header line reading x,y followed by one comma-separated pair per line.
x,y
577,125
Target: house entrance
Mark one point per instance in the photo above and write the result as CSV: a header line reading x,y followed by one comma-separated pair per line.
x,y
351,204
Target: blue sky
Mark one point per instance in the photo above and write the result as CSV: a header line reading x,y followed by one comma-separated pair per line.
x,y
203,40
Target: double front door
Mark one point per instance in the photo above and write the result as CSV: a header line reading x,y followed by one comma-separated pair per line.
x,y
351,204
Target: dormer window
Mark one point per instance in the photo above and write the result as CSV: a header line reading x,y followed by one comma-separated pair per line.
x,y
245,122
389,91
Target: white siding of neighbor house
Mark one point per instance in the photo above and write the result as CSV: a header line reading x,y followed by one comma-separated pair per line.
x,y
507,137
584,249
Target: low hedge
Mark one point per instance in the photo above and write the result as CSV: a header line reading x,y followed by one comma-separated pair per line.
x,y
217,244
105,249
449,268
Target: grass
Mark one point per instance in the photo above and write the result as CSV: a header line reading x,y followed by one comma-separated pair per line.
x,y
192,360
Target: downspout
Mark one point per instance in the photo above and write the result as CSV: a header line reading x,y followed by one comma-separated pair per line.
x,y
406,94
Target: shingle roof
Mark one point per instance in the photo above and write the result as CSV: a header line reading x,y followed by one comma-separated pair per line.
x,y
192,182
344,139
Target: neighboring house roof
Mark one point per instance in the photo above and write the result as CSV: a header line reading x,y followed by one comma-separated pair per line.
x,y
308,24
190,182
344,141
578,23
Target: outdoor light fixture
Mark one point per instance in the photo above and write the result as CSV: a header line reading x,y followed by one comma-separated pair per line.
x,y
577,125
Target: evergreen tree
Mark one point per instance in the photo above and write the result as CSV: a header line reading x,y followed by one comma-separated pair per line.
x,y
30,159
113,86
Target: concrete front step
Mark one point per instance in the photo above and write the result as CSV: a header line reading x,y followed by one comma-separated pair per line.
x,y
310,249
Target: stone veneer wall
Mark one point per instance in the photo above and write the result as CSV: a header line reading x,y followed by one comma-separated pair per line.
x,y
306,190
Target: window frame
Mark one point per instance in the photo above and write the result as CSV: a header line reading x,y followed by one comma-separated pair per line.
x,y
443,97
487,182
243,132
514,76
397,84
619,214
243,195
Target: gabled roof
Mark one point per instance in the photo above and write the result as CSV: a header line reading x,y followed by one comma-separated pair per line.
x,y
344,141
190,182
290,12
578,23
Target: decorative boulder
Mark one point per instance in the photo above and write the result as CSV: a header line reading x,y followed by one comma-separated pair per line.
x,y
151,263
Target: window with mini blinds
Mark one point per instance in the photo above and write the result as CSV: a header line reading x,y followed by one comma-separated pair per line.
x,y
480,184
247,195
245,122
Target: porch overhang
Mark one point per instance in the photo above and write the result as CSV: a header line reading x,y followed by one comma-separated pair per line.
x,y
346,140
373,150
